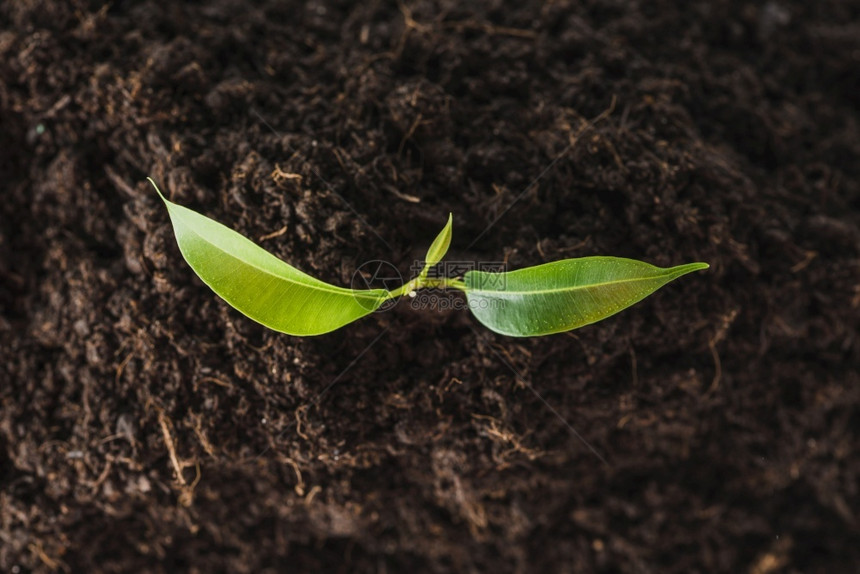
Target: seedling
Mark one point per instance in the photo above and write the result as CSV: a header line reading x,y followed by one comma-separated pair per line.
x,y
541,300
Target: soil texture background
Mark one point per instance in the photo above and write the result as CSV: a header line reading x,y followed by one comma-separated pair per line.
x,y
146,426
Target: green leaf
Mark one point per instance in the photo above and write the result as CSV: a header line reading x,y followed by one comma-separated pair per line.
x,y
563,295
261,286
438,248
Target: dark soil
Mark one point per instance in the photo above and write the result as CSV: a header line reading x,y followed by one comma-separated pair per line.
x,y
146,426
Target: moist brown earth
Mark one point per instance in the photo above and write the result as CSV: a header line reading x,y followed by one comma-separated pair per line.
x,y
146,426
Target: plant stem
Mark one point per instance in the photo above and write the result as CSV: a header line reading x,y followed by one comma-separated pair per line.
x,y
444,283
423,282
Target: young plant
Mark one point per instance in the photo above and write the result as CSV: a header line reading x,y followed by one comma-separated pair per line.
x,y
541,300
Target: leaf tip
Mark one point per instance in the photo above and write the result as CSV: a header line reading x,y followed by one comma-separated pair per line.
x,y
158,191
689,268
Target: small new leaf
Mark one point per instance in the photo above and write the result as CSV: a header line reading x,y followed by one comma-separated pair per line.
x,y
438,248
260,285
